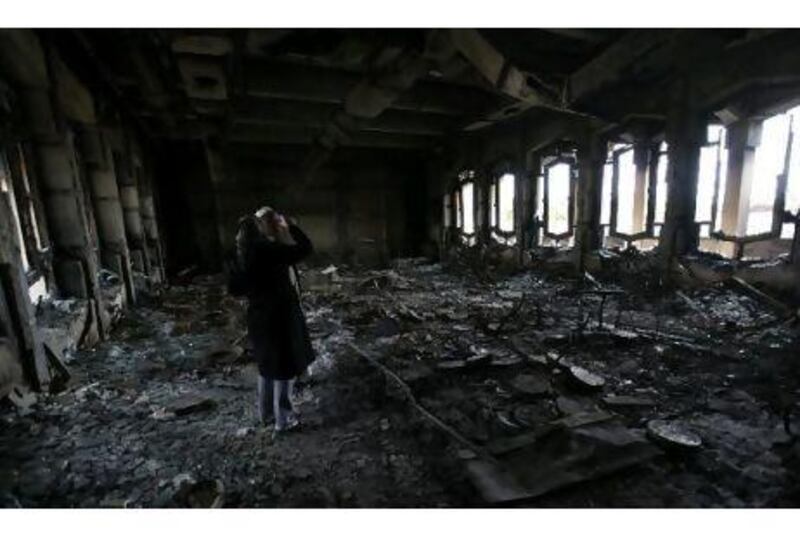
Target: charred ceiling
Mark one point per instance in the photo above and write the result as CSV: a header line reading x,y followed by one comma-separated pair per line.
x,y
417,89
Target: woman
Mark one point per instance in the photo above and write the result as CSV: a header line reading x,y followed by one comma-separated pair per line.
x,y
267,248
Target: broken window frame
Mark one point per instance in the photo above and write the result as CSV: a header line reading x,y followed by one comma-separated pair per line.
x,y
659,155
780,215
653,151
547,164
447,210
466,177
719,143
505,237
7,188
26,216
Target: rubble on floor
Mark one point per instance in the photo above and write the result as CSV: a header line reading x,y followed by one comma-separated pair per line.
x,y
562,392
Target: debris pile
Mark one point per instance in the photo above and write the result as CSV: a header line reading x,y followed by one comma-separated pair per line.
x,y
431,387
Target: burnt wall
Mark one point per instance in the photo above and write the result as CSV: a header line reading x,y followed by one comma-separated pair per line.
x,y
362,207
188,209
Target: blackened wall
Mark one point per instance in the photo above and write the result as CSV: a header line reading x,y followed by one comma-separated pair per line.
x,y
363,206
188,213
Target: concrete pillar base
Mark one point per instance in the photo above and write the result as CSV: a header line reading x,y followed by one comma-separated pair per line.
x,y
138,261
71,278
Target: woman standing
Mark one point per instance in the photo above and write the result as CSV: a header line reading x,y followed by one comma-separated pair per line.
x,y
267,247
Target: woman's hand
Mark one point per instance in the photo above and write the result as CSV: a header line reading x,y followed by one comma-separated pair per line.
x,y
280,222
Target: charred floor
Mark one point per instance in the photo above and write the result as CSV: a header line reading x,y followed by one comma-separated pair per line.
x,y
551,268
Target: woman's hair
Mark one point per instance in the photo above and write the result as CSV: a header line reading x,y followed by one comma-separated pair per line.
x,y
268,215
245,236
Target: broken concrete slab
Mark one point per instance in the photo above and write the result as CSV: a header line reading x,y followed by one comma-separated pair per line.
x,y
532,415
191,403
627,401
583,419
585,379
575,405
673,435
10,368
22,398
452,365
532,385
558,459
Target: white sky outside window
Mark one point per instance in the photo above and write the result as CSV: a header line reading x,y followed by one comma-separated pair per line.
x,y
723,178
506,184
793,181
661,185
708,175
457,204
492,206
605,206
467,191
558,201
769,158
540,198
627,180
705,183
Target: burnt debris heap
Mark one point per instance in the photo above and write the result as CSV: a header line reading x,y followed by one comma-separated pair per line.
x,y
554,267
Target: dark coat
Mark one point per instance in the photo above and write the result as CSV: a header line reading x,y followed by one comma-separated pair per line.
x,y
275,321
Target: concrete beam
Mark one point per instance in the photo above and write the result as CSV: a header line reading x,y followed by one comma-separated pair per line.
x,y
496,68
308,83
299,135
611,66
577,34
317,115
22,59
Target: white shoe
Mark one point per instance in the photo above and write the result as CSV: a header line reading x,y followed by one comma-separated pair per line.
x,y
291,423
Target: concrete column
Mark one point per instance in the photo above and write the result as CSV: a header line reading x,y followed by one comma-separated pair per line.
x,y
74,263
24,61
743,138
150,226
686,132
482,204
107,207
523,203
533,163
640,157
591,159
127,182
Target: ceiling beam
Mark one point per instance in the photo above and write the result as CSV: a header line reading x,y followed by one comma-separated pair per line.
x,y
300,135
315,114
611,66
312,83
496,68
577,34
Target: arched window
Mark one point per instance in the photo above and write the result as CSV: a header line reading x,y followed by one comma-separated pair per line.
x,y
465,205
560,174
501,207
